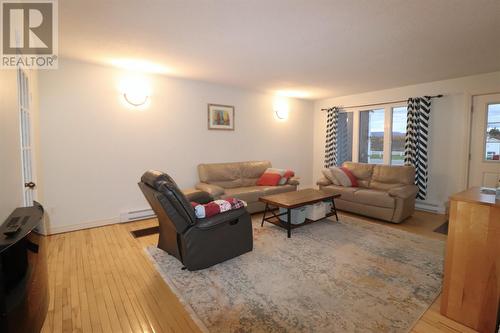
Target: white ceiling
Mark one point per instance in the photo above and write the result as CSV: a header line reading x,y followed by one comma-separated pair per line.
x,y
319,48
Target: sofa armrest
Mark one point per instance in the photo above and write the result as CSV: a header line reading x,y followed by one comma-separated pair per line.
x,y
323,181
214,190
294,181
231,217
404,192
200,197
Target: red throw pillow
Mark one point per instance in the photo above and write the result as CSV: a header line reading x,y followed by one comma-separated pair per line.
x,y
348,173
269,179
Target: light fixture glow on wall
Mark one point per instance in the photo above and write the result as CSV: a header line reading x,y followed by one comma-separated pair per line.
x,y
280,108
135,99
281,114
135,90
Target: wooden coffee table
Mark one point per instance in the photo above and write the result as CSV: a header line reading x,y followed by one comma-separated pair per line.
x,y
290,200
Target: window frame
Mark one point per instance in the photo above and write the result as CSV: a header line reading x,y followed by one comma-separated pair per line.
x,y
392,107
485,133
388,114
385,129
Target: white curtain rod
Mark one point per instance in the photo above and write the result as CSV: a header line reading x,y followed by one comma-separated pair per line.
x,y
375,104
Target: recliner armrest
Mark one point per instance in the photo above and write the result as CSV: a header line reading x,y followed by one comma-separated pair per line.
x,y
200,197
404,192
231,216
214,190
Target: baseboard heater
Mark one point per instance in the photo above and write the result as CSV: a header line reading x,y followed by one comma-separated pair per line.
x,y
429,207
136,215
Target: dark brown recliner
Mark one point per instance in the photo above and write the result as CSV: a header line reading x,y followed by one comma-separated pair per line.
x,y
197,243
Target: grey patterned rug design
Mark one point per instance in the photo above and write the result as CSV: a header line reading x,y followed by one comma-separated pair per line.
x,y
348,276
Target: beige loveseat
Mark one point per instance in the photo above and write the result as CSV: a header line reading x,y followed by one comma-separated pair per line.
x,y
385,192
239,180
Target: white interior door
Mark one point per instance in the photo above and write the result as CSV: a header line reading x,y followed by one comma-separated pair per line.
x,y
29,185
484,167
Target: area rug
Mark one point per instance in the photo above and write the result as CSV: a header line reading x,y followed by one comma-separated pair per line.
x,y
347,276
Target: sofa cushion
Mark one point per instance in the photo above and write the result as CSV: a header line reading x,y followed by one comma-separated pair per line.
x,y
346,193
226,175
247,193
362,171
268,190
386,177
374,198
251,171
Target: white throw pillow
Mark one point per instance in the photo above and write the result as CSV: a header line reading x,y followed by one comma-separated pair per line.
x,y
327,172
280,172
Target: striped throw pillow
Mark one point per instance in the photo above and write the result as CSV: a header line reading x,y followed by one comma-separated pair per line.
x,y
344,177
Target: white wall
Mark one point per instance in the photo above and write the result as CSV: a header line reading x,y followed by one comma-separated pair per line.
x,y
94,149
450,119
11,195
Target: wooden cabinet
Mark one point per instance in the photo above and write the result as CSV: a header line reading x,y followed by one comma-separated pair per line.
x,y
471,288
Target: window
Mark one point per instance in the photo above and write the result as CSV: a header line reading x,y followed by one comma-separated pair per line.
x,y
344,137
492,145
371,136
399,115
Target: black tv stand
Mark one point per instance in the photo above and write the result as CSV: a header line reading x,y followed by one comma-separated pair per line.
x,y
24,290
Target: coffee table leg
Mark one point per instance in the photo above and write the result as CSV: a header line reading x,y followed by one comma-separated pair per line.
x,y
289,218
335,209
264,216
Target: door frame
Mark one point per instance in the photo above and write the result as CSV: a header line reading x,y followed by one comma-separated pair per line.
x,y
469,132
28,74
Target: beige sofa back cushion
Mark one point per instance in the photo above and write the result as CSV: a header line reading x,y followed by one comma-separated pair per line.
x,y
231,175
362,171
251,171
386,177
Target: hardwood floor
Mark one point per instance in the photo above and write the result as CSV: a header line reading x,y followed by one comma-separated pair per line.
x,y
100,280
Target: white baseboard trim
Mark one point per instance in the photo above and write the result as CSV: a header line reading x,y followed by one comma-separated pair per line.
x,y
82,226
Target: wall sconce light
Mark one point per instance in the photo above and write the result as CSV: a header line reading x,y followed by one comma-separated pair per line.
x,y
135,91
281,114
280,108
135,99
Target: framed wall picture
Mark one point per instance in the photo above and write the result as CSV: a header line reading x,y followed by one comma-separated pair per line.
x,y
220,117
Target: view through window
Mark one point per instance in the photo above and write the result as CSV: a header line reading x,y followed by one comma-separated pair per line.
x,y
492,149
371,136
399,116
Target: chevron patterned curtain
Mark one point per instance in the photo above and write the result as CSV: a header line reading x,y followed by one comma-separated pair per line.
x,y
416,140
331,137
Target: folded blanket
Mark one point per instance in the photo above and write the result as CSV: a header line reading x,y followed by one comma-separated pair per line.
x,y
216,207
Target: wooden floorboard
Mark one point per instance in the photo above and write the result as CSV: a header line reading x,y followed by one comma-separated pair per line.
x,y
100,280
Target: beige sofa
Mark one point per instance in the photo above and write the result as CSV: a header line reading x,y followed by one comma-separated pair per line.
x,y
385,192
239,180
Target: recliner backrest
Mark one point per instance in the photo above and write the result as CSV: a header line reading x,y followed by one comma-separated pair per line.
x,y
172,200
